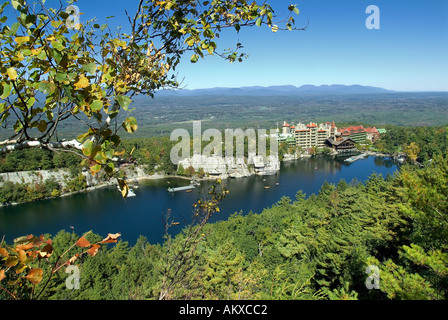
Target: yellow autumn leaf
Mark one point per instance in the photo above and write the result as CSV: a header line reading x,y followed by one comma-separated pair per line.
x,y
21,40
35,275
82,83
19,57
12,73
123,187
37,51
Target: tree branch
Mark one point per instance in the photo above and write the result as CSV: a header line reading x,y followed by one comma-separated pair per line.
x,y
14,145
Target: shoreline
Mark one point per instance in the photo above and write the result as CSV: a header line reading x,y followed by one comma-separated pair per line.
x,y
158,176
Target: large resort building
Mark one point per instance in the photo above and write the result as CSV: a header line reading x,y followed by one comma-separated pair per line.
x,y
309,135
312,135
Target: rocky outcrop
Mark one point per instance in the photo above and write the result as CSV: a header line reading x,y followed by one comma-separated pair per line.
x,y
28,177
231,167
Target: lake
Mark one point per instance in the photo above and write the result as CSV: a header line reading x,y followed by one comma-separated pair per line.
x,y
104,210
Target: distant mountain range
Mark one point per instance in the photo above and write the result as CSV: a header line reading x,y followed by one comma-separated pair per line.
x,y
286,90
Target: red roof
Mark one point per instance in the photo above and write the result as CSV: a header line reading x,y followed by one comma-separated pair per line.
x,y
372,130
311,125
350,130
292,127
285,124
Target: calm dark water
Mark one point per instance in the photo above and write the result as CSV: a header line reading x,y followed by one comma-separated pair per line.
x,y
104,211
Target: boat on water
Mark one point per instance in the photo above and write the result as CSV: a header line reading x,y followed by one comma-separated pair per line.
x,y
267,187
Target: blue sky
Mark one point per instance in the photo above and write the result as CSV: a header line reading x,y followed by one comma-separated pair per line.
x,y
409,52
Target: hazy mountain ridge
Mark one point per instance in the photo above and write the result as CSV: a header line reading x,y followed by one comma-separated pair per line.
x,y
277,90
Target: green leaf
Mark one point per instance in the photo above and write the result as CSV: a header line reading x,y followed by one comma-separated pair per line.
x,y
56,24
13,30
83,136
109,168
42,126
90,68
57,45
87,147
46,87
95,150
123,101
15,4
96,105
258,22
116,140
62,77
296,10
94,169
22,240
5,90
50,115
30,102
11,261
21,267
194,58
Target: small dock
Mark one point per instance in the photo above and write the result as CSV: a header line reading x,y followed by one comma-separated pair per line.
x,y
181,188
355,158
